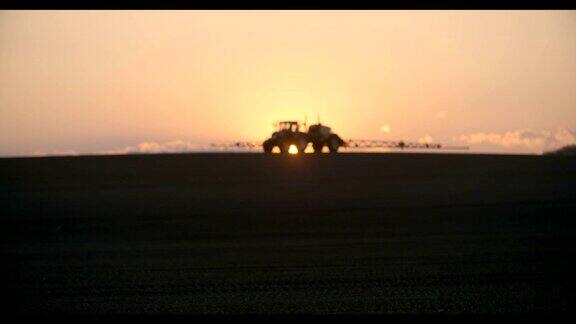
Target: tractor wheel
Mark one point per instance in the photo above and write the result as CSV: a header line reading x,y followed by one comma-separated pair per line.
x,y
302,143
284,148
268,146
317,147
333,145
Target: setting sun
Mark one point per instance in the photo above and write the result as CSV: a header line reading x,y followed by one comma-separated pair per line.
x,y
293,149
288,161
85,82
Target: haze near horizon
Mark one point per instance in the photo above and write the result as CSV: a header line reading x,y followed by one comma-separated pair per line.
x,y
92,82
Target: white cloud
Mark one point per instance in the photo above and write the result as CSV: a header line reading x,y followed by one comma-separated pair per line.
x,y
54,153
177,146
523,138
425,140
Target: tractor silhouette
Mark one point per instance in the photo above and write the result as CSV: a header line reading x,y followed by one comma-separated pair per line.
x,y
293,133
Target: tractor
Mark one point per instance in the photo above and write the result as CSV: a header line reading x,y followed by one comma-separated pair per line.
x,y
294,133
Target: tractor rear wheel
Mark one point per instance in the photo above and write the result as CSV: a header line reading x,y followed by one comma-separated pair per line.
x,y
317,147
333,145
302,143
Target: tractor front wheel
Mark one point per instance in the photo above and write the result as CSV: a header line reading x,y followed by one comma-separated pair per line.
x,y
268,146
284,148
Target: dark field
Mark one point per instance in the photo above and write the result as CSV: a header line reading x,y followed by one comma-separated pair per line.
x,y
249,233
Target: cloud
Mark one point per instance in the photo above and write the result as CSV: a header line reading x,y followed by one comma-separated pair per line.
x,y
54,153
523,138
177,146
425,140
385,128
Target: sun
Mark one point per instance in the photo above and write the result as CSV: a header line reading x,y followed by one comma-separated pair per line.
x,y
292,149
385,128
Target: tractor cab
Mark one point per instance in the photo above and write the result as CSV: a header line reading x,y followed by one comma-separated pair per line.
x,y
319,131
290,126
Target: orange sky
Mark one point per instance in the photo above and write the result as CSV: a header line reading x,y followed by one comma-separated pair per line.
x,y
98,81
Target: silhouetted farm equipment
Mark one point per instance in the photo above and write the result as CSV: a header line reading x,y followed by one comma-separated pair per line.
x,y
292,137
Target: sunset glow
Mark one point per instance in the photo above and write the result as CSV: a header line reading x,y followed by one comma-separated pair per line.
x,y
109,81
292,149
